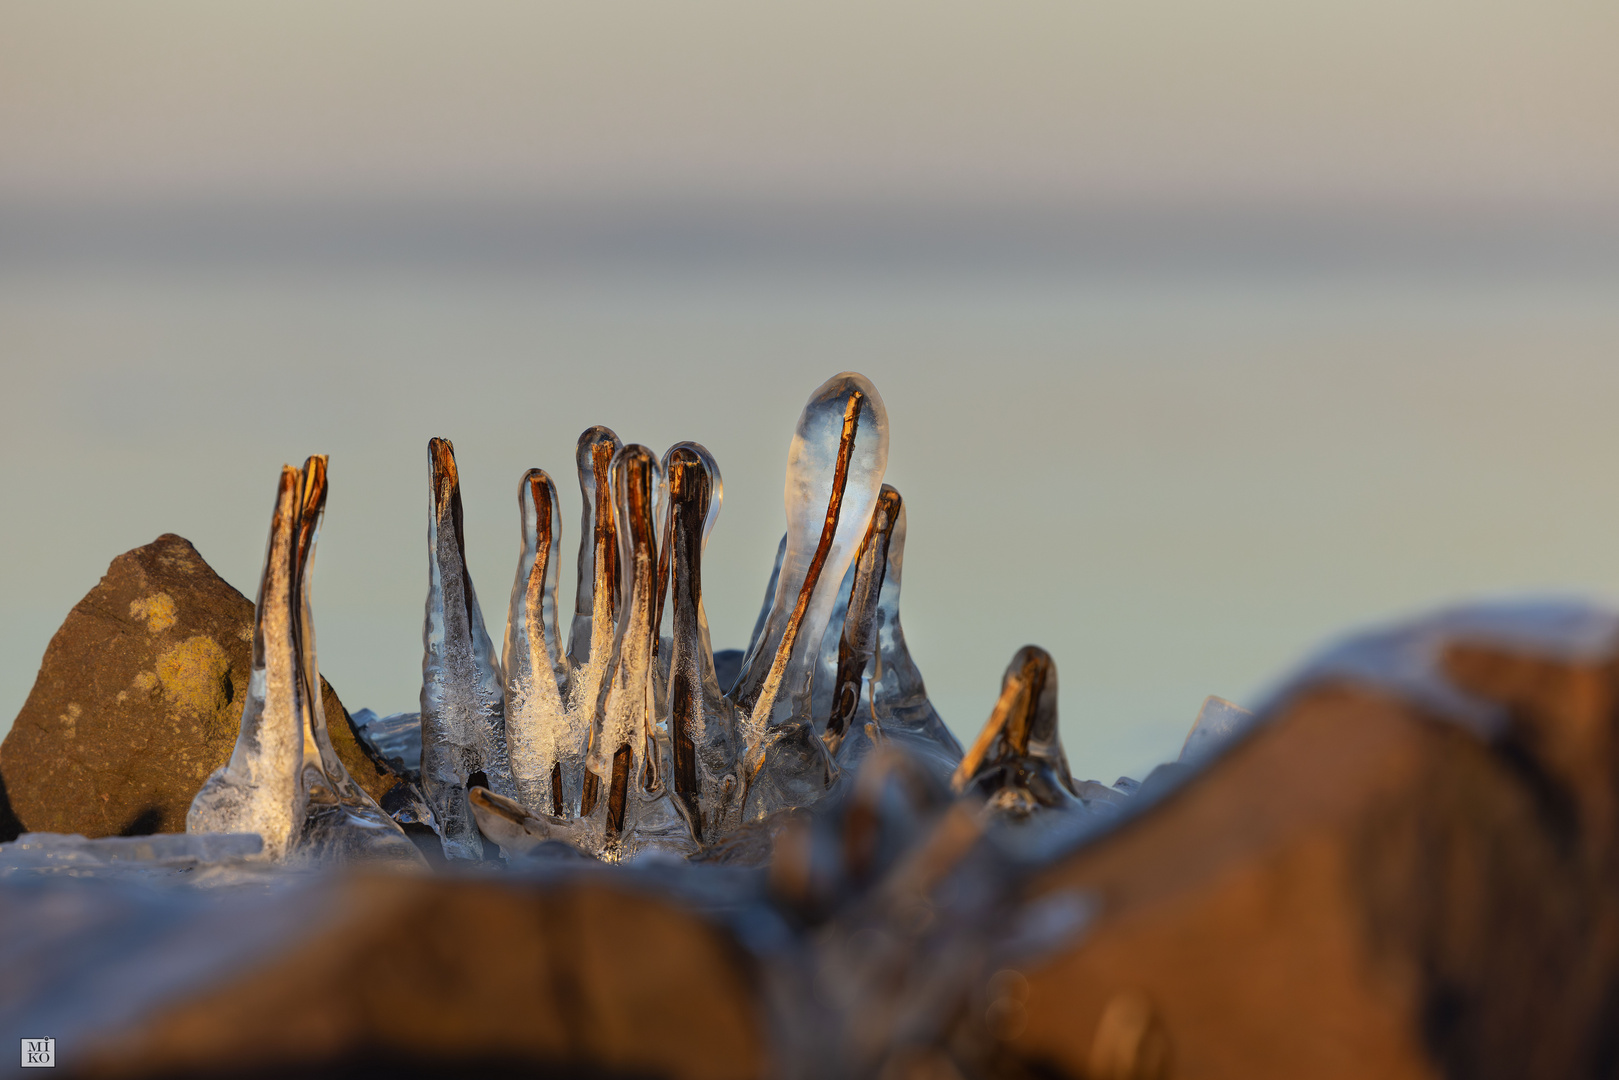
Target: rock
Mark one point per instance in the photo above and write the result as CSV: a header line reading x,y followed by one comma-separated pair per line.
x,y
10,826
139,698
398,976
1408,867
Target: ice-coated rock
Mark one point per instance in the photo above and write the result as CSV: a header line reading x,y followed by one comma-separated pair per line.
x,y
1218,722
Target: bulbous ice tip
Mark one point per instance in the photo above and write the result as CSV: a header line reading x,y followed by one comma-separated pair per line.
x,y
846,409
1036,719
635,477
1025,713
536,491
688,466
441,463
595,451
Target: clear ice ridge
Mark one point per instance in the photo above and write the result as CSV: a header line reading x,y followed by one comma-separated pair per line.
x,y
202,858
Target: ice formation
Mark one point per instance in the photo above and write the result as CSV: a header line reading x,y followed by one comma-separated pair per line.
x,y
1218,722
1017,762
463,695
284,781
623,741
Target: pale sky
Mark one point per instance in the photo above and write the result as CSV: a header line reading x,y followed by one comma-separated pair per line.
x,y
1431,101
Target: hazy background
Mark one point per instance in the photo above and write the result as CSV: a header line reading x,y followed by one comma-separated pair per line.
x,y
1207,330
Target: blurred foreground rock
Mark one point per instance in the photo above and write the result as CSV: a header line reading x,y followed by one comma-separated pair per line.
x,y
1405,866
1409,868
139,698
399,976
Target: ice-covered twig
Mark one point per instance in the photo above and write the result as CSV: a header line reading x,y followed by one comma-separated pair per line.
x,y
463,693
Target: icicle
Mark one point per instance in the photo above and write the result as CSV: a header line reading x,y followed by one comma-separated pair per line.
x,y
258,790
542,738
620,748
702,724
834,469
855,643
1017,761
462,690
665,517
896,699
596,599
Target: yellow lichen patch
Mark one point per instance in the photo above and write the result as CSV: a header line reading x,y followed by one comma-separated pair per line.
x,y
195,676
158,611
70,719
146,681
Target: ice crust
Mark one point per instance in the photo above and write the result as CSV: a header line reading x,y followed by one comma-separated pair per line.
x,y
395,738
157,856
1218,722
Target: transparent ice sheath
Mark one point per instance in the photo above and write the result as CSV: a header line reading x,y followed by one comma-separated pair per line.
x,y
1017,763
834,469
702,723
893,703
541,735
258,791
630,750
463,693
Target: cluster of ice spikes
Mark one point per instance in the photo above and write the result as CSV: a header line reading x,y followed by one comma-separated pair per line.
x,y
625,739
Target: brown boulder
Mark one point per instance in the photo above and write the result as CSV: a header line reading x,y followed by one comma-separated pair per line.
x,y
139,698
1407,869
